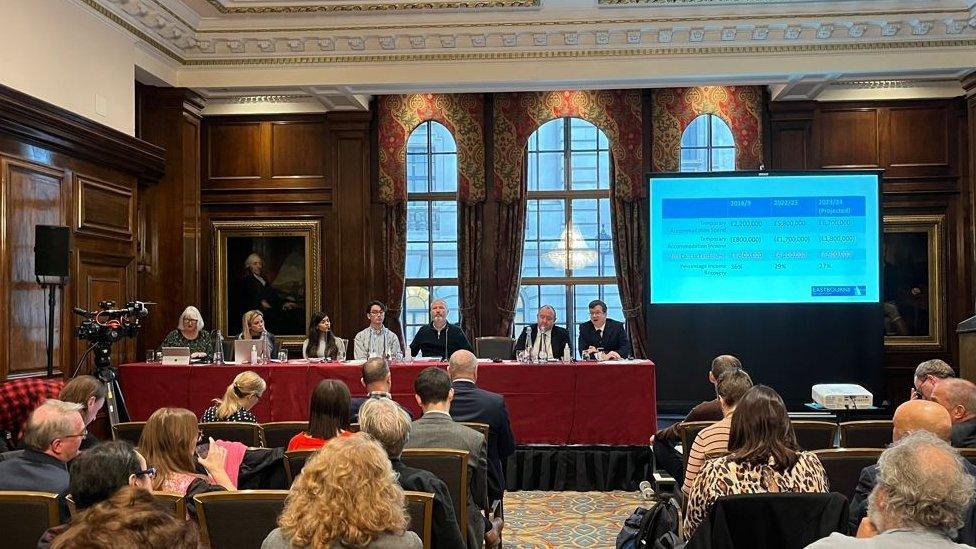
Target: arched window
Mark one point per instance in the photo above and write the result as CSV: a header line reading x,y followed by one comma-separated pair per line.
x,y
707,145
568,258
432,225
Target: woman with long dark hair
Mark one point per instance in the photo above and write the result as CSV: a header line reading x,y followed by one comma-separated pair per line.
x,y
321,342
328,416
763,457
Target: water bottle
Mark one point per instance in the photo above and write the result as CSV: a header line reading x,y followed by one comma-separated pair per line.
x,y
265,352
567,354
254,354
218,351
526,354
543,356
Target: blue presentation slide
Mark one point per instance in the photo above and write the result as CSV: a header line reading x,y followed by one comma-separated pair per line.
x,y
765,239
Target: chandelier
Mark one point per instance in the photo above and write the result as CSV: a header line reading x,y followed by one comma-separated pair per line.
x,y
572,251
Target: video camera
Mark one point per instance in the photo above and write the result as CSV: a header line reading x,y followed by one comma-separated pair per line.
x,y
108,324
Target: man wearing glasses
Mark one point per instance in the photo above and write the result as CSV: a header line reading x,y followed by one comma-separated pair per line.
x,y
376,340
52,437
928,375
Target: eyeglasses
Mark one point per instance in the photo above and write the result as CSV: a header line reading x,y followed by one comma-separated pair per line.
x,y
82,434
150,472
376,312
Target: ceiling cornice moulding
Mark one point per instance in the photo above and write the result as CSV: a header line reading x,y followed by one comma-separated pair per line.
x,y
226,7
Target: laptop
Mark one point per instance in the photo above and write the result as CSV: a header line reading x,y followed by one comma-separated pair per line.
x,y
178,356
242,349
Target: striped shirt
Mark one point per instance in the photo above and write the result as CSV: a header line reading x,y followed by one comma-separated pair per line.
x,y
714,438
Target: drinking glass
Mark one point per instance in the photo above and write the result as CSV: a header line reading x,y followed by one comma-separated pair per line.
x,y
151,355
282,356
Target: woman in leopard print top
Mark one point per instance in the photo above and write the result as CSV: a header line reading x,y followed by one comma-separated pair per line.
x,y
763,457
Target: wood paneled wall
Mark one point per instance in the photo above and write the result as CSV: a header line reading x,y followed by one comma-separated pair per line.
x,y
308,167
57,168
922,148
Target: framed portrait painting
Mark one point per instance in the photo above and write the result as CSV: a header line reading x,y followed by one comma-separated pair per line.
x,y
270,266
913,287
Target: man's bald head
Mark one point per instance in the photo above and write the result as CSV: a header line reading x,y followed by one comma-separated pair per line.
x,y
376,374
463,365
921,415
958,396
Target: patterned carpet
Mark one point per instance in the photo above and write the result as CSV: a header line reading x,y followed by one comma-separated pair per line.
x,y
566,519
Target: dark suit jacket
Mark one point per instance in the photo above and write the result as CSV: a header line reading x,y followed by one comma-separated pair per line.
x,y
478,405
34,471
869,477
964,434
357,402
445,532
614,338
559,339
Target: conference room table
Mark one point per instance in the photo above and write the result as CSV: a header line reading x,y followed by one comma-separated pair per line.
x,y
589,403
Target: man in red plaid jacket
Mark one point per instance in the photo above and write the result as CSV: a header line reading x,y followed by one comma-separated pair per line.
x,y
19,397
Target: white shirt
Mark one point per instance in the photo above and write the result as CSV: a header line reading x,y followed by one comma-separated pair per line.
x,y
370,343
538,342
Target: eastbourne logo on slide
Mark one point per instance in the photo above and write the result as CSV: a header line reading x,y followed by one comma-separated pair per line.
x,y
838,291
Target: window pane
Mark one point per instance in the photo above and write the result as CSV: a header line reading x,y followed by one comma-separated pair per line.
x,y
450,295
416,310
696,134
583,294
721,133
723,160
444,220
694,160
603,170
584,165
552,172
552,218
607,265
603,142
530,258
532,220
550,136
418,225
585,218
554,295
444,173
441,140
532,176
606,228
416,173
445,260
583,134
418,260
611,297
417,142
586,257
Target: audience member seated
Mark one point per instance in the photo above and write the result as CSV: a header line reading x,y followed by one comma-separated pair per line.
x,y
602,338
383,419
473,404
545,336
98,473
52,437
20,397
428,340
920,499
346,496
928,375
910,417
764,457
252,327
169,444
436,429
666,456
190,333
321,342
376,339
328,416
90,392
958,396
130,519
240,396
731,387
377,381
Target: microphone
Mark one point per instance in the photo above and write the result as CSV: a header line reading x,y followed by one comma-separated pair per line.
x,y
446,331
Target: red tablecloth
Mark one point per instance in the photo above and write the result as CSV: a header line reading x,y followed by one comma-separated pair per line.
x,y
580,403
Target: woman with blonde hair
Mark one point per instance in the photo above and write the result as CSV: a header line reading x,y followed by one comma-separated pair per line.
x,y
190,333
241,395
346,496
169,444
252,327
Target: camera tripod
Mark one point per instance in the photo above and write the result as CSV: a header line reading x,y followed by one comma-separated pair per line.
x,y
107,374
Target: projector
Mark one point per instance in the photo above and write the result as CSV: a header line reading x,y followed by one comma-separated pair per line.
x,y
842,396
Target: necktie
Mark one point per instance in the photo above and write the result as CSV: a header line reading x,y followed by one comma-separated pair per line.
x,y
599,335
542,345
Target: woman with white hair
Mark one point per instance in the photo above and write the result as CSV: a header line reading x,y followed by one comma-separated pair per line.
x,y
190,333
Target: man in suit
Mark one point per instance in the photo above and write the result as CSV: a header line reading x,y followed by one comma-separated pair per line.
x,y
602,335
382,419
474,404
436,429
547,339
912,416
958,397
377,381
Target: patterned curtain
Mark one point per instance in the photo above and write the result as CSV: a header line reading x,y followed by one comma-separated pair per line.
x,y
675,108
516,115
463,115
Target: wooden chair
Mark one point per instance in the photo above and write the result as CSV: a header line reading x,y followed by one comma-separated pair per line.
x,y
451,466
238,520
173,502
294,462
248,434
495,347
480,427
815,435
278,434
866,434
689,430
420,505
130,431
843,466
353,427
24,516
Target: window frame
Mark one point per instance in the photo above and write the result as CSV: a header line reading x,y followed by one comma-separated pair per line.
x,y
710,147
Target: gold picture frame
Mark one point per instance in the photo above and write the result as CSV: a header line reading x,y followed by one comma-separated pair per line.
x,y
914,290
287,286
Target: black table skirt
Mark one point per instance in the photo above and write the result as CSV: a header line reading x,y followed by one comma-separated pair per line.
x,y
578,468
